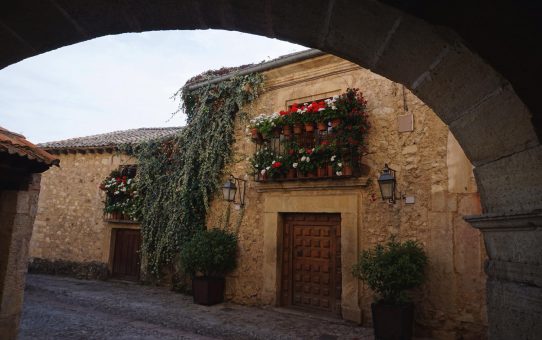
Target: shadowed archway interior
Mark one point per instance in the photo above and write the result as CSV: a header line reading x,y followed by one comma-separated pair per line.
x,y
453,63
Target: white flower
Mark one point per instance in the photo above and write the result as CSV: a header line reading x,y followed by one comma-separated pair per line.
x,y
294,165
340,165
333,107
339,173
308,159
333,158
267,168
321,109
263,172
117,192
301,150
256,166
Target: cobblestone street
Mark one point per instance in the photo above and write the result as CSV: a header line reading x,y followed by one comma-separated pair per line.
x,y
65,308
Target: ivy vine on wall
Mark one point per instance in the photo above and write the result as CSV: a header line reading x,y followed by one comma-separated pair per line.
x,y
178,176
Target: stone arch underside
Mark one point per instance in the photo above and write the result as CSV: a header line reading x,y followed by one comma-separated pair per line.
x,y
489,120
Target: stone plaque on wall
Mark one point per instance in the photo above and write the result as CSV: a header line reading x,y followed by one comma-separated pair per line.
x,y
405,123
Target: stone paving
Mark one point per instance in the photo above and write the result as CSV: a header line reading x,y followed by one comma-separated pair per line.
x,y
65,308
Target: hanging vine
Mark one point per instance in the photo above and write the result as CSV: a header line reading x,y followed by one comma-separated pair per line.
x,y
178,176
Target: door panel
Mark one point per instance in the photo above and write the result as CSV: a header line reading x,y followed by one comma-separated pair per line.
x,y
126,261
311,267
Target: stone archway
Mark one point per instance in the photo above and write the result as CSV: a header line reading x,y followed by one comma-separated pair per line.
x,y
490,121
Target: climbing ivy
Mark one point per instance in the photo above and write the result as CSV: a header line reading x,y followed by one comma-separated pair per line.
x,y
178,176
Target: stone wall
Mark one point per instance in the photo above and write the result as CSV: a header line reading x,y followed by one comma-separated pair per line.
x,y
430,166
69,225
17,212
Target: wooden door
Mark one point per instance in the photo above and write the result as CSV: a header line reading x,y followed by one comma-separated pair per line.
x,y
311,262
126,260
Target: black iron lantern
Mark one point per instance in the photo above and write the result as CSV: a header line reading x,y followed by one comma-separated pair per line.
x,y
386,182
229,190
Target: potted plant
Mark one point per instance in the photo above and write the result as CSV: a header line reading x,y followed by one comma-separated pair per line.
x,y
390,270
305,165
285,121
122,197
321,156
296,117
261,162
208,257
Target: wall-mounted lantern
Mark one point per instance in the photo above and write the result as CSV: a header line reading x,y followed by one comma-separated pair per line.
x,y
387,183
234,190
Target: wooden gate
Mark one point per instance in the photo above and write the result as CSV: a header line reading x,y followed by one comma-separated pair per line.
x,y
126,260
311,262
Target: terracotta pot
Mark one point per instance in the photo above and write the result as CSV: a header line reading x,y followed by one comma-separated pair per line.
x,y
257,138
353,141
329,169
292,173
335,122
311,174
254,132
287,130
321,172
347,170
322,126
309,127
298,128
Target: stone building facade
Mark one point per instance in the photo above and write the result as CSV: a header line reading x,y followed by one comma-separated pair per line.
x,y
432,171
71,235
431,168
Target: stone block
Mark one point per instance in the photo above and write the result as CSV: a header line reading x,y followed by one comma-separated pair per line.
x,y
456,82
468,255
514,309
469,204
523,246
439,201
410,51
440,245
503,122
370,22
512,184
451,202
308,31
460,170
409,150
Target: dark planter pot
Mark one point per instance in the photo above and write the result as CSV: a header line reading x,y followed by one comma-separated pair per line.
x,y
208,290
392,322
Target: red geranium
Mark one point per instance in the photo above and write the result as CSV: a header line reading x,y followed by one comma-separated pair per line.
x,y
276,165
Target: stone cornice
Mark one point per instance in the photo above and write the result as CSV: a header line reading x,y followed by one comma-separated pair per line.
x,y
339,184
496,223
307,70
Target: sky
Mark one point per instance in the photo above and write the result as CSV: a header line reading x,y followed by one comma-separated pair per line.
x,y
118,82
